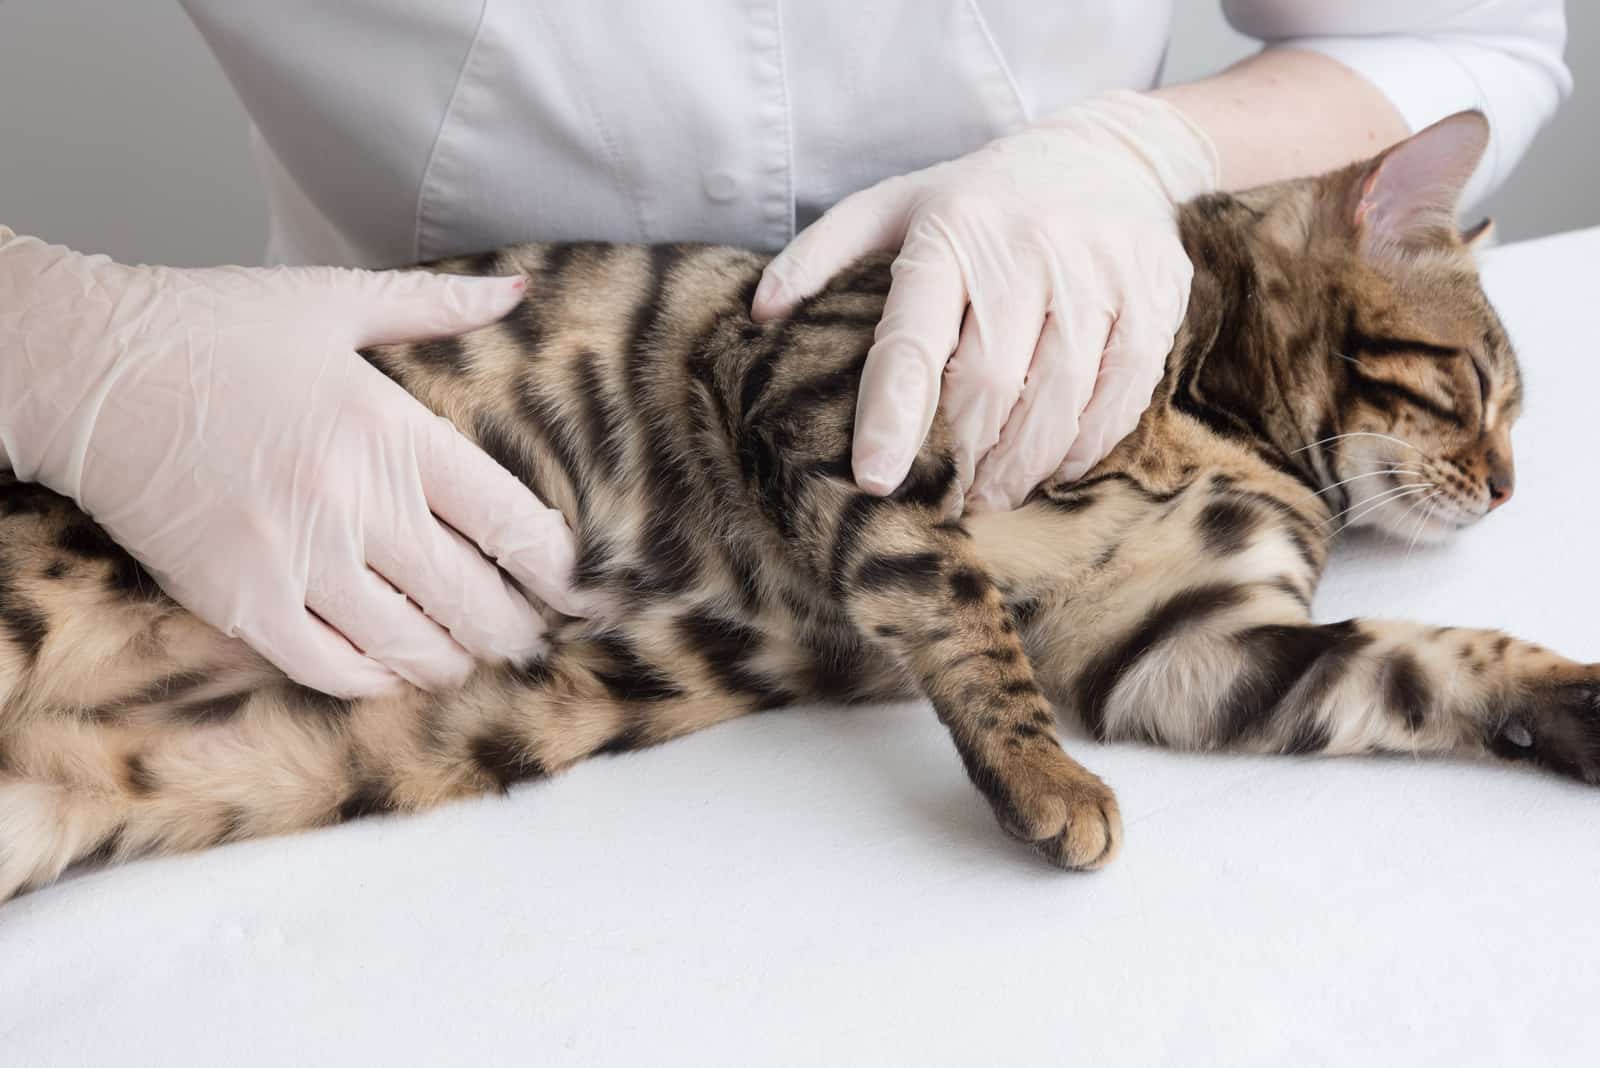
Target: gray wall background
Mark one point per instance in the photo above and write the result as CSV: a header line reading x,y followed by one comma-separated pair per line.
x,y
119,134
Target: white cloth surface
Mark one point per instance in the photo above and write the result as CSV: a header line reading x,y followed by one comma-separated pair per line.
x,y
392,131
822,886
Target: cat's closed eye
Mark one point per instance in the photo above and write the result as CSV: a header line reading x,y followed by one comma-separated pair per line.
x,y
1483,384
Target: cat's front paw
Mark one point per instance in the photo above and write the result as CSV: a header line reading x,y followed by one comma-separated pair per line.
x,y
1050,801
1554,722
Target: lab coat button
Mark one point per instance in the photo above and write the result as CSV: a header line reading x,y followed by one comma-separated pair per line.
x,y
721,186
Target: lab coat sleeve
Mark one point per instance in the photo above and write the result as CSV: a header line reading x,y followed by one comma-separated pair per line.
x,y
1432,58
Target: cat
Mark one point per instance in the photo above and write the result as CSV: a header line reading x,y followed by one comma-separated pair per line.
x,y
1338,364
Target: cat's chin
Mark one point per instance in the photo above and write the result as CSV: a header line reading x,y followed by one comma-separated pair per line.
x,y
1433,529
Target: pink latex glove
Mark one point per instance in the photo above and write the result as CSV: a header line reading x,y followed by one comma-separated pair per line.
x,y
219,425
1059,246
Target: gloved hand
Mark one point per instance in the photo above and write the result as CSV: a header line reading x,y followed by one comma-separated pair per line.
x,y
220,426
1060,247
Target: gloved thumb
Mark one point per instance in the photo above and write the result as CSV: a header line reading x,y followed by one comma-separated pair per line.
x,y
872,220
414,305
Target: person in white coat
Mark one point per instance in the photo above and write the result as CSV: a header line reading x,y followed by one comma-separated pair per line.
x,y
220,426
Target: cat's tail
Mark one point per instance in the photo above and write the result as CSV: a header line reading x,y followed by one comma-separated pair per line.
x,y
170,776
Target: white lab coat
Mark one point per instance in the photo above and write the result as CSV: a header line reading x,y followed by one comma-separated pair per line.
x,y
391,131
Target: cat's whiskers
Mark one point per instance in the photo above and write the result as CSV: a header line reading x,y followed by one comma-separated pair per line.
x,y
1417,474
1406,492
1354,478
1377,501
1368,499
1415,505
1431,501
1358,434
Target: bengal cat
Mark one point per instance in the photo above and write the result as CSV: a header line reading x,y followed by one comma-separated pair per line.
x,y
1339,364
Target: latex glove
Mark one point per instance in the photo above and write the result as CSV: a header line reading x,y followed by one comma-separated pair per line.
x,y
220,426
1059,246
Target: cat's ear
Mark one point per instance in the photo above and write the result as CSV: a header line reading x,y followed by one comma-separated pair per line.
x,y
1406,198
1474,236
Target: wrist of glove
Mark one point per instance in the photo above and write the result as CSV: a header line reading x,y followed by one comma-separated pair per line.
x,y
220,425
1038,286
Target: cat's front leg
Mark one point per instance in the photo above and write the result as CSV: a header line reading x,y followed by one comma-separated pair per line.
x,y
1220,667
919,589
1413,687
1550,716
906,572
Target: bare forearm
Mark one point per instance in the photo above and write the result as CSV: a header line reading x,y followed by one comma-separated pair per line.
x,y
1284,113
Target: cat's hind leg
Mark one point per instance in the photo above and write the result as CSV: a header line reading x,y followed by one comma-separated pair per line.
x,y
87,639
188,765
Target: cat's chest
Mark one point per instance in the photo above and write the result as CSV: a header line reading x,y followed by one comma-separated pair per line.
x,y
1087,562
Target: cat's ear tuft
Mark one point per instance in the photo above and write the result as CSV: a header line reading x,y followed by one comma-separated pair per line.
x,y
1406,198
1475,236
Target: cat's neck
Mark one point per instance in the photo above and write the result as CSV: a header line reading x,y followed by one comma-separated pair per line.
x,y
1231,365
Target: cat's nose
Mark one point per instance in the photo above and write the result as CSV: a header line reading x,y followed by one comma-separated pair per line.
x,y
1502,478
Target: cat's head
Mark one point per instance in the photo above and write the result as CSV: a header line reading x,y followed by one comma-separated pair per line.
x,y
1407,386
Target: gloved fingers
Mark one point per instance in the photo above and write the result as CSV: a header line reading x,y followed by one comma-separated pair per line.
x,y
988,375
413,305
869,221
1045,422
904,372
380,621
499,515
458,588
313,654
1134,361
